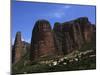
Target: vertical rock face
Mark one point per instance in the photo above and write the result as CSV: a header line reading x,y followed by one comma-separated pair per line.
x,y
72,35
58,37
42,42
68,38
86,28
17,48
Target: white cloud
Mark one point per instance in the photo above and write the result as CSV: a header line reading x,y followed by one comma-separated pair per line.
x,y
12,41
28,40
23,39
67,6
60,12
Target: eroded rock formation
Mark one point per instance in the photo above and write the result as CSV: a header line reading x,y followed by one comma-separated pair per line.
x,y
42,42
58,37
63,39
72,35
17,48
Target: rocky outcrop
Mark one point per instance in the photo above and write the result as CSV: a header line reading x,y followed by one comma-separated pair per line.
x,y
63,39
58,37
42,42
86,28
17,48
72,35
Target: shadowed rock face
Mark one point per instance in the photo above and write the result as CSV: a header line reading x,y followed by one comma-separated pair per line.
x,y
58,37
42,42
73,38
72,35
86,28
17,48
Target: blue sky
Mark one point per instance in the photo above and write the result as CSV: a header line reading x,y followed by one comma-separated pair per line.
x,y
25,14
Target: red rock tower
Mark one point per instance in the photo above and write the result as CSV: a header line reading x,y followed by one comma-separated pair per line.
x,y
17,48
42,41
